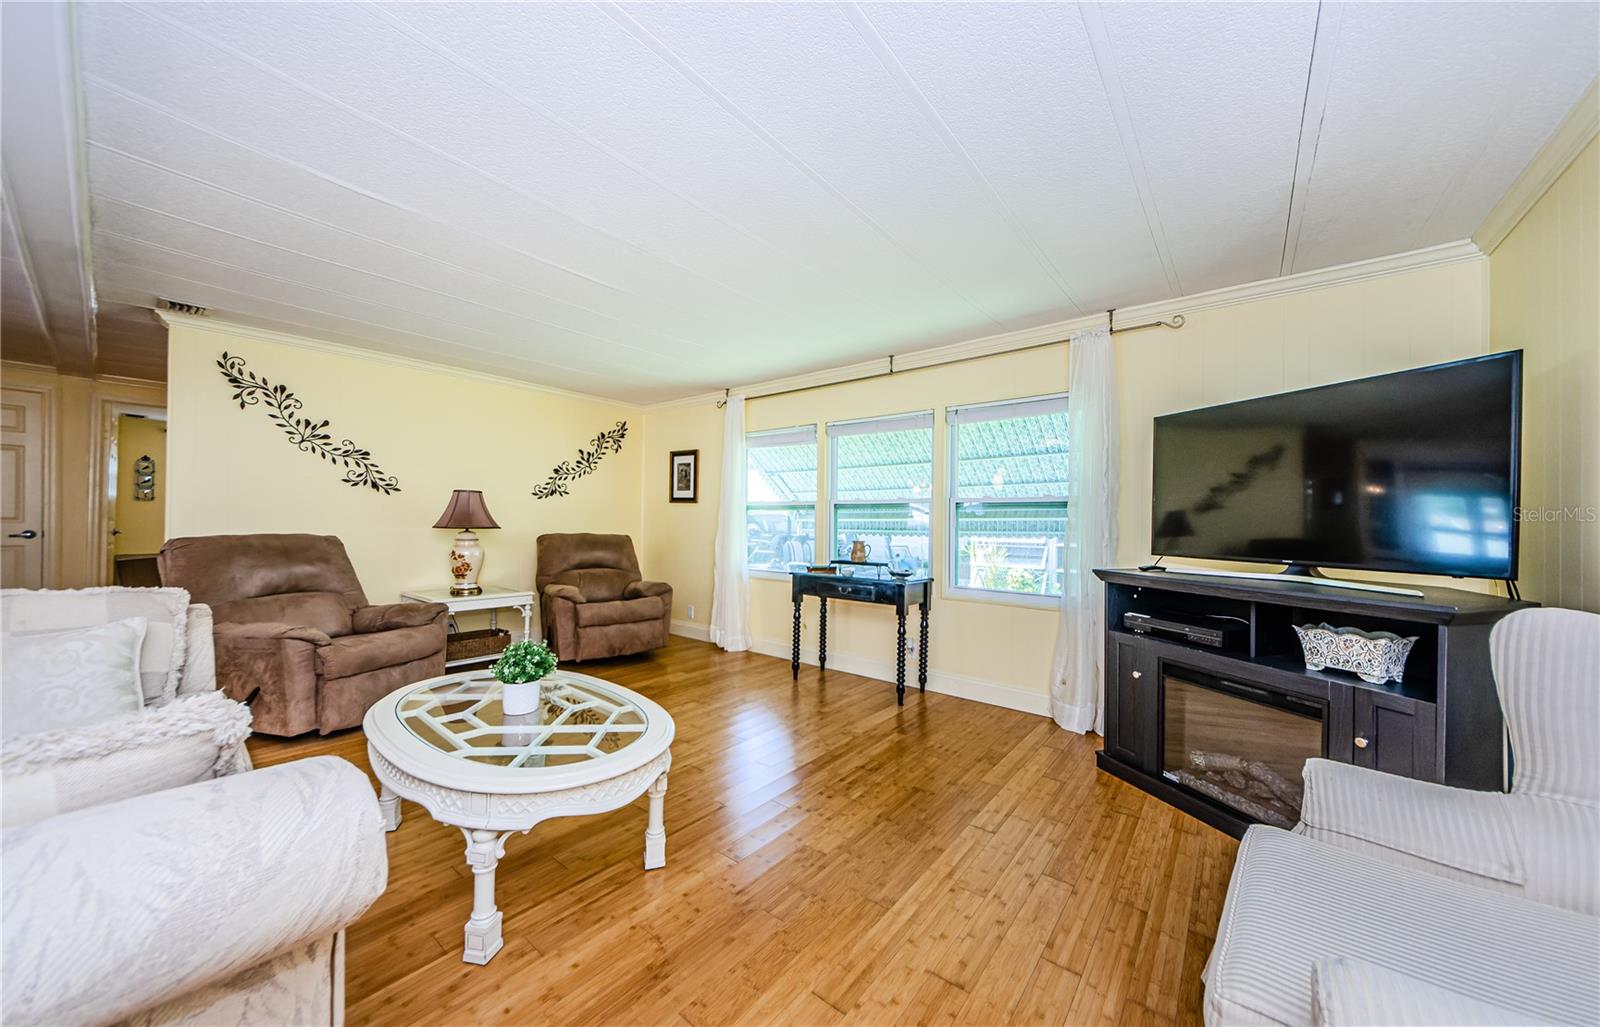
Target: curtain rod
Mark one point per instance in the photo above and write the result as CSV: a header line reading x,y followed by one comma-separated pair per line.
x,y
1175,322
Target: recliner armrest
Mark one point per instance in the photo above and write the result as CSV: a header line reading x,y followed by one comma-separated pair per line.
x,y
568,592
268,631
398,615
1457,828
640,589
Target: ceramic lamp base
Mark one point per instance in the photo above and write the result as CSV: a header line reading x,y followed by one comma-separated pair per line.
x,y
466,560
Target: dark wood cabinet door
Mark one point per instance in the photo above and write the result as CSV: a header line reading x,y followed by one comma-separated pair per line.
x,y
1395,734
1132,721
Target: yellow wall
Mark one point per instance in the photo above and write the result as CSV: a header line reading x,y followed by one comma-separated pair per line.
x,y
1001,651
141,523
80,412
232,471
1545,289
678,536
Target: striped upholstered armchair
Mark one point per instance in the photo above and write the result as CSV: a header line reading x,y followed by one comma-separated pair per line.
x,y
1400,901
1542,839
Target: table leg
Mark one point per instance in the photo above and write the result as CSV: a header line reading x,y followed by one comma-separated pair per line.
x,y
922,650
900,660
484,849
527,622
389,806
655,832
822,635
794,661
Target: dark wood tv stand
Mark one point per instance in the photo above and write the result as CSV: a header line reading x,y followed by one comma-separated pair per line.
x,y
1442,724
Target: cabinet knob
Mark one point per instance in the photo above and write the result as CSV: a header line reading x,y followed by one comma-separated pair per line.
x,y
1361,743
1138,674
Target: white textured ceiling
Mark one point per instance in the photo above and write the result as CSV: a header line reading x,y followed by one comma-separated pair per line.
x,y
647,201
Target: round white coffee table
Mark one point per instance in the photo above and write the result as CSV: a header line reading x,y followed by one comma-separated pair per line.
x,y
446,743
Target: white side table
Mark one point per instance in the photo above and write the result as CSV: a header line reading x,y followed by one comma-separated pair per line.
x,y
492,598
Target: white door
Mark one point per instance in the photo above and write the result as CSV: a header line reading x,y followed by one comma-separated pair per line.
x,y
21,489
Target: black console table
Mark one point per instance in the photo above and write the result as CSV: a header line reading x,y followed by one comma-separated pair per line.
x,y
900,593
1181,716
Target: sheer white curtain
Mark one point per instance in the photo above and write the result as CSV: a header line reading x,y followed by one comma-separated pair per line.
x,y
730,586
1077,675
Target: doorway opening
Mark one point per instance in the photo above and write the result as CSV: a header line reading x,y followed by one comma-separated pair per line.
x,y
136,494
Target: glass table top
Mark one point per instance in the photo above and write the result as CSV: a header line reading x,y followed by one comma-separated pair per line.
x,y
576,720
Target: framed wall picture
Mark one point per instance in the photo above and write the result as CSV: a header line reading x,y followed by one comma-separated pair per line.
x,y
684,482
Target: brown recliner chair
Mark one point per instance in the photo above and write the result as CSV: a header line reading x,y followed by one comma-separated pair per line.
x,y
591,599
295,637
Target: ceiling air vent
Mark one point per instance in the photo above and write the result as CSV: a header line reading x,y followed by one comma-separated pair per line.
x,y
179,307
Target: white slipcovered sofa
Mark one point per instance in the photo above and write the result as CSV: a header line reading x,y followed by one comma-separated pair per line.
x,y
186,732
1397,901
147,879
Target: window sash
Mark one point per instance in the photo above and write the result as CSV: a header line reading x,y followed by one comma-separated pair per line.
x,y
804,507
1050,568
955,417
876,425
850,509
1007,409
801,510
804,435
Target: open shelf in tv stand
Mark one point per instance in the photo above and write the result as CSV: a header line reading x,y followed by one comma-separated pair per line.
x,y
1442,723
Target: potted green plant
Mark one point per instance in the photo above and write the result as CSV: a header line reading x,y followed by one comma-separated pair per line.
x,y
519,670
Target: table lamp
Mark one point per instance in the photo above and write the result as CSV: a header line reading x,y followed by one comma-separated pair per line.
x,y
466,511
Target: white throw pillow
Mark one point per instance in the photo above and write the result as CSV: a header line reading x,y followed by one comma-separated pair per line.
x,y
56,679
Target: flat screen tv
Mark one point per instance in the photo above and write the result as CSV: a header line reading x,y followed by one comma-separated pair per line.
x,y
1414,471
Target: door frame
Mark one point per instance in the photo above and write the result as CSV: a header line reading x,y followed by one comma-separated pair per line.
x,y
103,484
47,421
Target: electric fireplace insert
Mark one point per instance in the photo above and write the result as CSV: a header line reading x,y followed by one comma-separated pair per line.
x,y
1237,744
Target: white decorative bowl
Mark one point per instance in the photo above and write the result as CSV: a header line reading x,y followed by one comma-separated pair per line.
x,y
1373,656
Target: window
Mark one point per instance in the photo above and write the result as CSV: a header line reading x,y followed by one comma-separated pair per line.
x,y
882,478
781,498
1009,499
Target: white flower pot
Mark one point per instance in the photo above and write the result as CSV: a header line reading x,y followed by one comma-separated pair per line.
x,y
521,697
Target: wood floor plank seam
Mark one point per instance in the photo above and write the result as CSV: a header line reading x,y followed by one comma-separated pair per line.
x,y
831,858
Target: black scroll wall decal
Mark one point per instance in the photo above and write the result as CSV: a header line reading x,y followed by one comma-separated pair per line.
x,y
568,471
308,436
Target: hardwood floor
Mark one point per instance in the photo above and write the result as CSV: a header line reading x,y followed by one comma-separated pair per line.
x,y
831,858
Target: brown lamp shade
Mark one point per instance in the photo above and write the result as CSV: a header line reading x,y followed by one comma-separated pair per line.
x,y
466,510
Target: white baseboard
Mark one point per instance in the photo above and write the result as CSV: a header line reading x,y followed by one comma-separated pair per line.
x,y
689,629
975,689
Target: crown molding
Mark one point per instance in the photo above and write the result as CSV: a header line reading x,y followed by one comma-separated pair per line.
x,y
1005,342
812,379
221,326
687,401
1286,285
28,367
1575,132
1059,331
